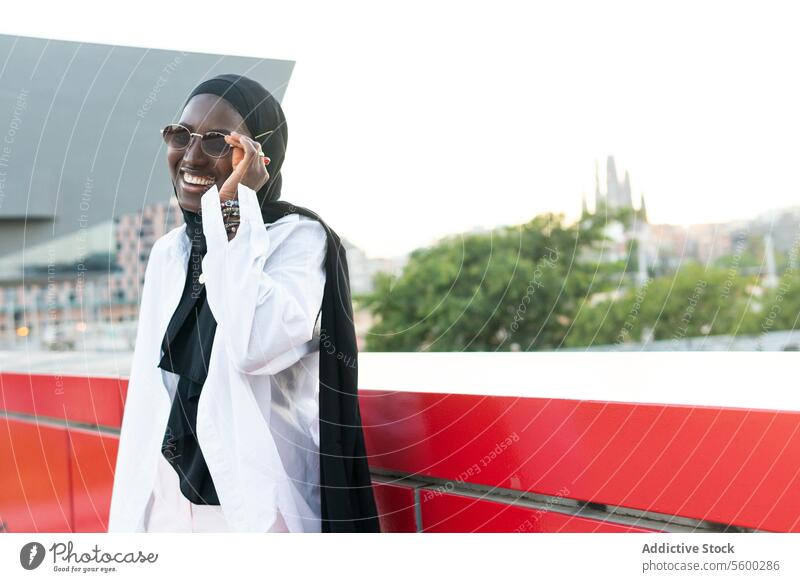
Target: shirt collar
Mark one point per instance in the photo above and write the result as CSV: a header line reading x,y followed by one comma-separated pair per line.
x,y
179,243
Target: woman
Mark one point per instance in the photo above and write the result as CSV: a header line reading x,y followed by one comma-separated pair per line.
x,y
242,408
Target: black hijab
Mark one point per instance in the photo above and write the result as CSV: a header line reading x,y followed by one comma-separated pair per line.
x,y
347,501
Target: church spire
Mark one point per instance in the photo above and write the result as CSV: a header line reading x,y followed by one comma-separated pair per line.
x,y
598,195
612,184
626,198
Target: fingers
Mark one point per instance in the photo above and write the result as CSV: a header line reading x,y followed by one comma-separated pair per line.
x,y
250,147
246,145
238,140
249,165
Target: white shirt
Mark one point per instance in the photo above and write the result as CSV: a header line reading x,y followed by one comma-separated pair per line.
x,y
258,413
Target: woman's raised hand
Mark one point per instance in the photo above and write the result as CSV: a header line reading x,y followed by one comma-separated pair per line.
x,y
249,168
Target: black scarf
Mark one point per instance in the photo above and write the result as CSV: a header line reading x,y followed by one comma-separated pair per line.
x,y
347,501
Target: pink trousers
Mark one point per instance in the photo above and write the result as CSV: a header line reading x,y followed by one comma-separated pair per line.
x,y
168,511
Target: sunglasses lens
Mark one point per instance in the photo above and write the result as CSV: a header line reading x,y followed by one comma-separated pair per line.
x,y
176,136
214,144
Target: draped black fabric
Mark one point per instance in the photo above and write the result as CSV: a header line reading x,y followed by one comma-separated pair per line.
x,y
347,500
186,351
348,503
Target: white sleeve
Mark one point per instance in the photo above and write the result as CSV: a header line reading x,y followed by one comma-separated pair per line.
x,y
264,288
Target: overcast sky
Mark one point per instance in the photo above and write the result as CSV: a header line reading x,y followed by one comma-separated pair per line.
x,y
430,119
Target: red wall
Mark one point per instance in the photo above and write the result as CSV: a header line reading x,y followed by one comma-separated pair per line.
x,y
723,465
57,451
446,462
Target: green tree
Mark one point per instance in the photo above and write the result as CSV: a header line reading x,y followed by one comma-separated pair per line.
x,y
779,308
484,292
694,301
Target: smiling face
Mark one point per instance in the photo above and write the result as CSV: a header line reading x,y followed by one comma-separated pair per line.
x,y
192,171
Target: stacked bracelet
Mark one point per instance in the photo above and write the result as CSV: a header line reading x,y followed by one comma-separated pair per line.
x,y
230,215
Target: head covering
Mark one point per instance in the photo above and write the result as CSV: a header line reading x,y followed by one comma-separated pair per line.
x,y
261,113
347,501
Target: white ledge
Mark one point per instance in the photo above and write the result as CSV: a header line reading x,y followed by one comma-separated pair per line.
x,y
764,380
761,380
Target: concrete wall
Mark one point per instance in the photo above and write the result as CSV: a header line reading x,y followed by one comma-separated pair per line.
x,y
79,141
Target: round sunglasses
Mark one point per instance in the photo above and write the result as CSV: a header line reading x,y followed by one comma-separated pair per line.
x,y
212,143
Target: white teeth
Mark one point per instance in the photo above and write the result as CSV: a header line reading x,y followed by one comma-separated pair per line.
x,y
199,180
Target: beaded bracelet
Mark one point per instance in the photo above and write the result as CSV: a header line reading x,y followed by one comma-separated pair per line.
x,y
230,215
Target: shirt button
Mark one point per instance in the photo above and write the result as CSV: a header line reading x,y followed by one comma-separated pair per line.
x,y
202,278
